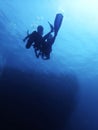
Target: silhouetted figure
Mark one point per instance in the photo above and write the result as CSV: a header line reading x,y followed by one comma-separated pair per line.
x,y
43,44
47,47
36,39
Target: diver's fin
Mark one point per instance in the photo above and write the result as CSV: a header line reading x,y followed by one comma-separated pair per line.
x,y
57,22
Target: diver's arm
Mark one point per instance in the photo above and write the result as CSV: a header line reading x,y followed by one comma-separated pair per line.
x,y
26,37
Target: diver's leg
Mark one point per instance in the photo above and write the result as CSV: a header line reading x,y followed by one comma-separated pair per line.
x,y
43,55
46,56
37,52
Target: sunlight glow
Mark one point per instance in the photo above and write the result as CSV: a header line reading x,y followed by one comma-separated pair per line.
x,y
81,11
88,6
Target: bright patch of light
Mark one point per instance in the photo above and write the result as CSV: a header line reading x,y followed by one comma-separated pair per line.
x,y
84,12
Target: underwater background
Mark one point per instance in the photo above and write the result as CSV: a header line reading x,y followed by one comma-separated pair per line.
x,y
56,94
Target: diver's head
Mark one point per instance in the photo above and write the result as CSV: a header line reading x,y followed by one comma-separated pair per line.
x,y
40,29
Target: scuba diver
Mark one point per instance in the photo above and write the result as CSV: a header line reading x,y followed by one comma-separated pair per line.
x,y
47,45
43,44
36,39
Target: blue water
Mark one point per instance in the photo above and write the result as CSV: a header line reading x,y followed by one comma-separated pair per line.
x,y
57,94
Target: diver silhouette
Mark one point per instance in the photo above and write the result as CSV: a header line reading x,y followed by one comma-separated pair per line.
x,y
36,39
43,44
47,45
